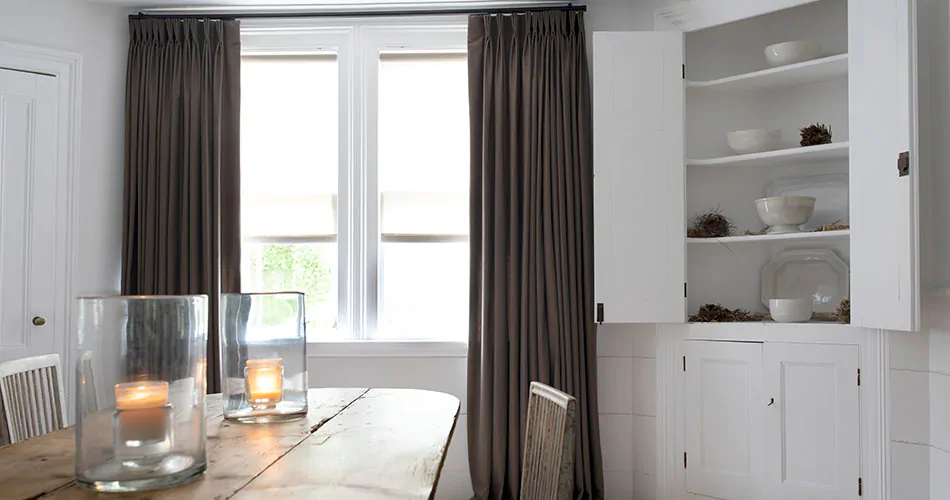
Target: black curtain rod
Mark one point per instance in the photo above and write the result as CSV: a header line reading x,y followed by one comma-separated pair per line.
x,y
360,13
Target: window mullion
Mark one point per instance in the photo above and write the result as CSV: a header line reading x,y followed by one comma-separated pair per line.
x,y
370,203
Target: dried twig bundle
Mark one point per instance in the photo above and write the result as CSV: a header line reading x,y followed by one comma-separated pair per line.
x,y
711,224
715,313
814,135
843,312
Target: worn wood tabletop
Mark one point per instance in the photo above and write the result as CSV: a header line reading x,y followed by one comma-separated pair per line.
x,y
353,444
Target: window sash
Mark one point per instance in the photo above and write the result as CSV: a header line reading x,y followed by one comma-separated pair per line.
x,y
358,46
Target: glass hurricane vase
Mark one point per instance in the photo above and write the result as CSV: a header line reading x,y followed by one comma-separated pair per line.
x,y
263,357
140,410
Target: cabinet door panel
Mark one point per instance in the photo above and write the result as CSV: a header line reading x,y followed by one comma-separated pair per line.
x,y
811,429
724,411
639,191
884,275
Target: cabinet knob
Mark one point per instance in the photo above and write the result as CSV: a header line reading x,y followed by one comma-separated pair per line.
x,y
39,321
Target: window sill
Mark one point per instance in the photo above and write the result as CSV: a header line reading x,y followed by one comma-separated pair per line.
x,y
387,349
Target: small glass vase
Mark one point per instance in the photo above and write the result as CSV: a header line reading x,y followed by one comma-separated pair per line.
x,y
140,410
263,356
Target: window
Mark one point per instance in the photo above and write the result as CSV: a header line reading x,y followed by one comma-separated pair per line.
x,y
355,171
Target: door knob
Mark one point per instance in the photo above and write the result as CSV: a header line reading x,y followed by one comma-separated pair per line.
x,y
771,402
39,321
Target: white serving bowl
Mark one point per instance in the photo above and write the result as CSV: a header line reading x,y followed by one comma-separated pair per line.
x,y
791,310
785,214
754,141
782,54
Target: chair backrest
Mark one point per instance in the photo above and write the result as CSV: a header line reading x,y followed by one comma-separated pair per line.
x,y
31,390
547,471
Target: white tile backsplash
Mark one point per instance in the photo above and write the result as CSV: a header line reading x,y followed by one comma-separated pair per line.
x,y
909,350
940,412
910,413
939,474
910,472
644,444
614,378
643,386
618,485
644,486
616,442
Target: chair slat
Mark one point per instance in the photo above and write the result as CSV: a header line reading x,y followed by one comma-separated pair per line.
x,y
548,465
31,396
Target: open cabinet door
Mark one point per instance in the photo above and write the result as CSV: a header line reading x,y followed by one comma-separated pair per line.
x,y
884,267
639,192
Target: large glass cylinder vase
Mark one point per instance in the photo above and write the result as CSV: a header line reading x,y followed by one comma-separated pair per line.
x,y
263,357
140,405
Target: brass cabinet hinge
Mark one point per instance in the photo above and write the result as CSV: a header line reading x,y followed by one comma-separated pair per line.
x,y
684,459
860,487
600,313
859,376
684,363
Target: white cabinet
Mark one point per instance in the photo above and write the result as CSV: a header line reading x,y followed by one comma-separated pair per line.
x,y
811,424
724,419
639,134
660,156
775,421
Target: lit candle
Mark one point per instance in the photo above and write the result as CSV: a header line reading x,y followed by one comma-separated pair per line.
x,y
141,395
142,418
264,381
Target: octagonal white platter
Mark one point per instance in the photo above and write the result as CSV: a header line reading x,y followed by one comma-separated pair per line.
x,y
818,274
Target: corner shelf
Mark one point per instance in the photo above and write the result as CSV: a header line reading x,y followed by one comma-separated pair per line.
x,y
822,235
816,70
778,158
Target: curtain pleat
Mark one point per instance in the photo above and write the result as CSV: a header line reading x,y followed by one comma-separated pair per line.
x,y
531,240
181,218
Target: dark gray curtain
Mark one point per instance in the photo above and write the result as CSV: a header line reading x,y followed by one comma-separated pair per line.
x,y
181,219
531,240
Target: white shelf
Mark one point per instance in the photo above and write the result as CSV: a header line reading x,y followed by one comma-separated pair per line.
x,y
822,235
778,158
801,73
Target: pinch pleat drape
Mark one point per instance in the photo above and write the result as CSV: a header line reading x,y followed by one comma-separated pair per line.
x,y
181,217
531,241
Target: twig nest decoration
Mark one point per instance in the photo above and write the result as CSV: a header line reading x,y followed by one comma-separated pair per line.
x,y
711,224
814,135
843,312
715,313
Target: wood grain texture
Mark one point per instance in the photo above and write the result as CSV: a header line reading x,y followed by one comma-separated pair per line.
x,y
415,428
389,444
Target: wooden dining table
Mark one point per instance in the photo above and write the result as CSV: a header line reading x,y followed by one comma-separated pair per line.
x,y
353,444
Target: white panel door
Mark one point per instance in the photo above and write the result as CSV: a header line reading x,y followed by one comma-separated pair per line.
x,y
28,239
639,191
724,414
812,426
884,275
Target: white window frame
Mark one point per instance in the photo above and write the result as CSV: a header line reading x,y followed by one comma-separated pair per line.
x,y
357,44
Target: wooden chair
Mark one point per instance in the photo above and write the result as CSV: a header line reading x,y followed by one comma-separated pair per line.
x,y
547,471
31,392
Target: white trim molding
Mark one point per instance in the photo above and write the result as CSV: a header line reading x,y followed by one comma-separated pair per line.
x,y
67,68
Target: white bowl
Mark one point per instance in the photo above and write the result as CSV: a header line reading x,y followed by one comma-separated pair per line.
x,y
754,141
782,54
785,214
790,310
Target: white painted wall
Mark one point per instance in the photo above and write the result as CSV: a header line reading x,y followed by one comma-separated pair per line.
x,y
100,34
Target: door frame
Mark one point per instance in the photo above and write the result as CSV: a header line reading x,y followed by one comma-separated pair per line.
x,y
67,68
